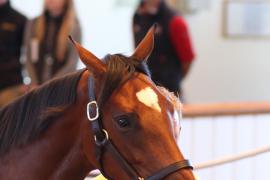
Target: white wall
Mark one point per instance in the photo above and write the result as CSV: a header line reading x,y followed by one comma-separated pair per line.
x,y
225,69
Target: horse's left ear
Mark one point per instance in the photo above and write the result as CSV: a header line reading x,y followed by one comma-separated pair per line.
x,y
146,46
92,63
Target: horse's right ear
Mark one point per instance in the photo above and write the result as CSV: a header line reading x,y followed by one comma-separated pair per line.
x,y
92,63
146,46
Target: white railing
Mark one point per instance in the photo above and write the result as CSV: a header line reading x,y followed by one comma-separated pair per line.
x,y
228,141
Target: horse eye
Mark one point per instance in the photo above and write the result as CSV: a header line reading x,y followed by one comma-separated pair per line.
x,y
123,122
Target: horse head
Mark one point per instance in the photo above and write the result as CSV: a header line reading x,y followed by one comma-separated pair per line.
x,y
131,120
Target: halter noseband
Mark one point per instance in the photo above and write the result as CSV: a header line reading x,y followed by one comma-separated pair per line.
x,y
103,143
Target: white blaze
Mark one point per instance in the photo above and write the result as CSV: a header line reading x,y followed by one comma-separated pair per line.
x,y
148,97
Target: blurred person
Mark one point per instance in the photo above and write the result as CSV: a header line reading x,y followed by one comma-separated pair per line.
x,y
12,25
48,51
173,54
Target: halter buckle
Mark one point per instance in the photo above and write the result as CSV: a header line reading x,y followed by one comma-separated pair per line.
x,y
89,105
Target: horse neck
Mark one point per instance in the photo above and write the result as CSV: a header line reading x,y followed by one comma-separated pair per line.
x,y
59,153
76,163
73,166
55,155
67,138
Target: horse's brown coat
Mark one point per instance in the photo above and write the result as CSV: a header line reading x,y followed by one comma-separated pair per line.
x,y
65,151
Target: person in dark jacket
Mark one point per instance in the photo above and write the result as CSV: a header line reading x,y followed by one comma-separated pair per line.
x,y
12,25
48,52
173,53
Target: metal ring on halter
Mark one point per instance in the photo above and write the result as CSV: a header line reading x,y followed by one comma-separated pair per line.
x,y
104,141
88,112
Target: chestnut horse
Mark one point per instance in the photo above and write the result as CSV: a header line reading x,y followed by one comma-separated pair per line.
x,y
109,116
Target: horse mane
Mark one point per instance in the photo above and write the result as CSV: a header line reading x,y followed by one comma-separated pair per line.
x,y
30,115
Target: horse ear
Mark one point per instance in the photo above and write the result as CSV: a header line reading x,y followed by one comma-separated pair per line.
x,y
146,46
92,63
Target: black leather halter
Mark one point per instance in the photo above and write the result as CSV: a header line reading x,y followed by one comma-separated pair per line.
x,y
103,143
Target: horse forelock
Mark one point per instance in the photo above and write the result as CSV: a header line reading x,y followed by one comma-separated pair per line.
x,y
119,69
